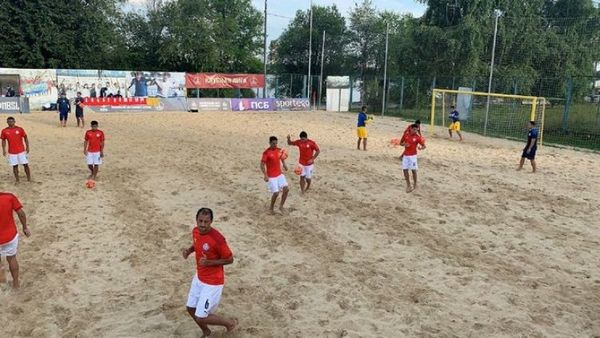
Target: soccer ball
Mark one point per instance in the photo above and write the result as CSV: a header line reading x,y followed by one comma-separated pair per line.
x,y
90,184
284,154
298,169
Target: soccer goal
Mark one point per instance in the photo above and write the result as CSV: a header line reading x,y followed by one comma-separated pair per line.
x,y
504,115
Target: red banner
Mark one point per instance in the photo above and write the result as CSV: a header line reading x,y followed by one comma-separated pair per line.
x,y
216,80
114,101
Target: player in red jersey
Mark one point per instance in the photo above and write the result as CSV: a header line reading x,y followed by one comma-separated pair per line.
x,y
17,152
309,150
411,143
212,253
93,149
407,132
9,236
271,169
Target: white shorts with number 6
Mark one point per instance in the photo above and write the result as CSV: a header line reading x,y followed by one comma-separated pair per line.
x,y
204,297
276,184
307,171
410,162
94,158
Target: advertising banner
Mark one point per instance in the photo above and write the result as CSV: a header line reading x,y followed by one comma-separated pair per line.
x,y
252,104
216,80
155,84
36,84
14,105
292,104
202,104
91,83
137,104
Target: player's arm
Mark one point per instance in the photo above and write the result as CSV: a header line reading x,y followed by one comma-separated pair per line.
x,y
26,143
316,153
3,146
533,143
188,251
85,144
263,168
285,167
102,148
422,143
289,141
23,219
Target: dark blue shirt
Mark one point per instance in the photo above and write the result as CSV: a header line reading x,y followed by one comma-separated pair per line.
x,y
63,104
454,116
79,107
362,117
531,136
141,89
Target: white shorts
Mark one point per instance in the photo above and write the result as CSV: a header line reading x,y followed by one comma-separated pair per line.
x,y
16,159
204,297
94,158
307,171
275,184
10,248
409,162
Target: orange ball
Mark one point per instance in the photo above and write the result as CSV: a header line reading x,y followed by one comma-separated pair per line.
x,y
90,184
298,170
284,154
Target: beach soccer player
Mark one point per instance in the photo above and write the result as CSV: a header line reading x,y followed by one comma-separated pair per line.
x,y
79,110
411,143
455,124
361,128
407,132
309,151
531,147
9,236
270,165
64,107
212,253
18,147
93,149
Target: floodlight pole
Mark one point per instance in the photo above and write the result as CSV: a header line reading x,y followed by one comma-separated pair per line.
x,y
265,54
387,35
322,61
309,84
497,15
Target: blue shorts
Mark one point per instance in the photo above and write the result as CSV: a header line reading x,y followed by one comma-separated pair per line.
x,y
63,116
530,155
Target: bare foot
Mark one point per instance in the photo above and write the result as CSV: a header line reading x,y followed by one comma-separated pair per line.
x,y
519,168
409,189
16,285
282,210
271,212
2,275
206,333
232,325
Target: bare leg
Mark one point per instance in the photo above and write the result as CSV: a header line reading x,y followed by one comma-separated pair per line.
x,y
407,179
216,320
533,165
365,144
414,172
521,163
95,172
82,123
450,132
308,180
358,144
273,200
459,135
91,167
13,265
27,172
205,330
302,184
16,172
283,198
2,274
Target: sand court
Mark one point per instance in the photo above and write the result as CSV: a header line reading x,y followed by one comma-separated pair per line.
x,y
477,250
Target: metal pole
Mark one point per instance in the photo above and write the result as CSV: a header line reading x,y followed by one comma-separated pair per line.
x,y
265,54
487,106
310,55
322,61
387,33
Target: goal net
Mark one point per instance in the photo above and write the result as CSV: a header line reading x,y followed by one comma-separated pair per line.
x,y
494,114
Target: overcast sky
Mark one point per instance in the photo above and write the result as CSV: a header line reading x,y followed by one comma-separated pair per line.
x,y
281,11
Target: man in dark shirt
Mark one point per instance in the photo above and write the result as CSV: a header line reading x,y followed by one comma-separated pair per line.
x,y
531,147
141,88
79,110
64,107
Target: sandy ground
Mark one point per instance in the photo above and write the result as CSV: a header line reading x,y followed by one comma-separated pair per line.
x,y
478,250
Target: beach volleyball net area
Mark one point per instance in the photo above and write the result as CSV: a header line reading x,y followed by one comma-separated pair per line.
x,y
493,114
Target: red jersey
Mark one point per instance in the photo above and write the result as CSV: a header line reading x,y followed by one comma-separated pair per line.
x,y
410,144
95,139
271,158
15,137
307,149
8,229
211,245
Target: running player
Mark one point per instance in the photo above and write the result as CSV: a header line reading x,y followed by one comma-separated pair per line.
x,y
64,107
407,132
9,236
361,128
271,169
309,150
531,147
93,149
411,143
212,253
17,153
79,109
455,125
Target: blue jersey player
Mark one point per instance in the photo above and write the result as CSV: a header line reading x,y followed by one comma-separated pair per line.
x,y
64,107
455,125
530,147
